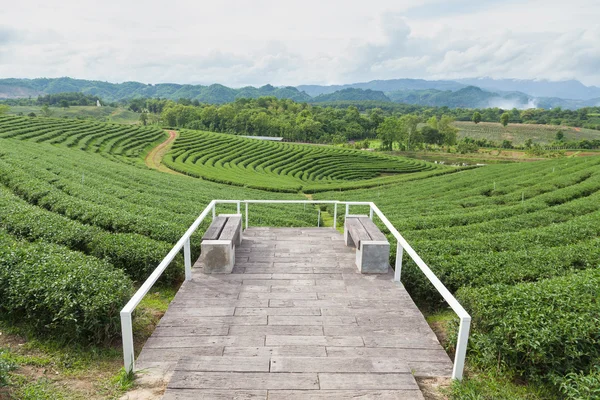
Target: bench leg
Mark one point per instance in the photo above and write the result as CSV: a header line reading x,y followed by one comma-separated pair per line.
x,y
218,256
373,257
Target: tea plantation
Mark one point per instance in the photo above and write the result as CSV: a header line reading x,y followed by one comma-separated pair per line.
x,y
83,220
288,167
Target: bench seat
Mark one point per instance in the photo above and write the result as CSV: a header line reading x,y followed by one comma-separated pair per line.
x,y
218,244
372,247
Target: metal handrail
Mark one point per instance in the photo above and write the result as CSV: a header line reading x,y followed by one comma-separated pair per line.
x,y
401,243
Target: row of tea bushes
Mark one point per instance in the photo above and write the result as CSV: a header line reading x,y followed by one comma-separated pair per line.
x,y
58,292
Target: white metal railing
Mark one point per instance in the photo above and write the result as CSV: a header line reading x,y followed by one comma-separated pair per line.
x,y
401,246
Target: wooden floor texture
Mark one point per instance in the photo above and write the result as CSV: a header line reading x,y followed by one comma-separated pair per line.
x,y
295,320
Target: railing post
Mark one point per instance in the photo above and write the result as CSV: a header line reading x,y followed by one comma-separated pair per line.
x,y
187,258
371,212
246,215
319,219
347,209
214,211
238,207
461,348
335,216
398,266
127,337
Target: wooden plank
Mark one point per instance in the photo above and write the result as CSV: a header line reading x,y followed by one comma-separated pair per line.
x,y
231,228
243,380
267,351
278,311
208,394
292,340
310,320
224,364
356,381
201,341
215,228
199,321
372,229
306,330
345,394
382,352
174,354
339,364
167,331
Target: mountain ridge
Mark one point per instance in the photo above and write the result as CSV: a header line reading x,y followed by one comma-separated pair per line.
x,y
435,93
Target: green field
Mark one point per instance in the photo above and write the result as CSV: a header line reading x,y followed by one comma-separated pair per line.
x,y
104,113
288,167
520,133
85,220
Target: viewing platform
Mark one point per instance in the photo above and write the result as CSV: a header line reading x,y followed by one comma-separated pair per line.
x,y
294,320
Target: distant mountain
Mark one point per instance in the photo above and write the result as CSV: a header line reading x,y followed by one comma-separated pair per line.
x,y
504,93
468,97
216,94
351,94
539,88
384,86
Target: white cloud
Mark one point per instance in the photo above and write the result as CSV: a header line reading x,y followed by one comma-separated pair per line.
x,y
237,42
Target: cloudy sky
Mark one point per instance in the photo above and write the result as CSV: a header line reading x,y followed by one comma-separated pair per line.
x,y
289,42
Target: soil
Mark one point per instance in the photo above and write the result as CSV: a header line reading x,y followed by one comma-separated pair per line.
x,y
154,157
434,388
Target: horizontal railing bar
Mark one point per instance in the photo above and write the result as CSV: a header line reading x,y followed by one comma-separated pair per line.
x,y
141,292
290,201
450,299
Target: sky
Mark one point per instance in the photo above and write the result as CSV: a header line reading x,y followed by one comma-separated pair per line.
x,y
289,42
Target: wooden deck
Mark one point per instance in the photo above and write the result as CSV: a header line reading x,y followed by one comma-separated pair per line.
x,y
295,320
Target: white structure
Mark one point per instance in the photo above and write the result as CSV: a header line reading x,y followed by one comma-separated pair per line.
x,y
98,103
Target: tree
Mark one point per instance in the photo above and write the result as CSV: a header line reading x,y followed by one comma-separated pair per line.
x,y
388,132
432,136
507,144
448,131
64,104
46,111
504,118
409,124
528,143
144,118
476,117
560,136
433,122
3,109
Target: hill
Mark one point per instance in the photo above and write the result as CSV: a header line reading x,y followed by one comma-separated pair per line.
x,y
504,94
351,94
389,85
570,89
16,88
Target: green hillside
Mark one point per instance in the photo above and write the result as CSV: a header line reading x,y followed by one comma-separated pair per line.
x,y
287,167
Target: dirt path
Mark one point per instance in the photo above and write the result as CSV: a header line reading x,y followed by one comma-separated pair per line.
x,y
154,158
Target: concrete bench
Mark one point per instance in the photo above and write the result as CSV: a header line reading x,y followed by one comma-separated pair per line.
x,y
218,244
372,247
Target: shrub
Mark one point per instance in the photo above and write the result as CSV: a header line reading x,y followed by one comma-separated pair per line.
x,y
541,329
56,291
581,386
